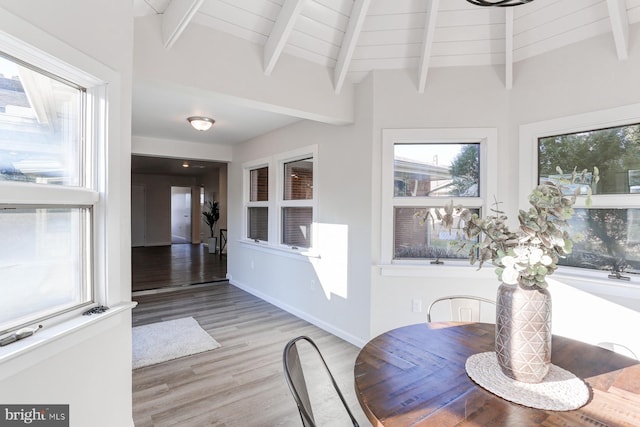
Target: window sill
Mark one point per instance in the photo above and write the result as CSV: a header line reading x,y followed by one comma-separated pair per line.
x,y
593,282
597,282
448,269
280,250
57,332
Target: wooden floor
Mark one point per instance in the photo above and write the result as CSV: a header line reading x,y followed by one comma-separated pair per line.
x,y
158,267
241,383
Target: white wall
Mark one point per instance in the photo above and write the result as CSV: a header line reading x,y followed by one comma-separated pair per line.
x,y
88,368
158,204
332,291
563,82
559,83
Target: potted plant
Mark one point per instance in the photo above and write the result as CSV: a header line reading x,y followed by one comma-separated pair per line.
x,y
523,258
211,216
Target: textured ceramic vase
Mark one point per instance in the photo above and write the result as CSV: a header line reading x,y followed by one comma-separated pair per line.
x,y
523,332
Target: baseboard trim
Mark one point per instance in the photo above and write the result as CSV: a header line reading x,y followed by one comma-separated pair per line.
x,y
358,342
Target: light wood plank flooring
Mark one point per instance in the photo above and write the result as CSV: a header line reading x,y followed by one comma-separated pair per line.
x,y
240,383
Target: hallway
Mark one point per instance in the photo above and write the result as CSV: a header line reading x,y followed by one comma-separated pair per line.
x,y
157,267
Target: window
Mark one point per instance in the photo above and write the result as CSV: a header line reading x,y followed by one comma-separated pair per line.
x,y
280,207
297,203
424,170
51,121
258,206
608,229
610,237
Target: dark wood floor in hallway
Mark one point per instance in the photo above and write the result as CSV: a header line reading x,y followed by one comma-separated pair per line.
x,y
241,383
158,267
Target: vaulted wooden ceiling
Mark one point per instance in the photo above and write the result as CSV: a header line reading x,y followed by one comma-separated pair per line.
x,y
353,37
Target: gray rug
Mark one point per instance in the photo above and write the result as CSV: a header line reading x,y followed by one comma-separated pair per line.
x,y
162,341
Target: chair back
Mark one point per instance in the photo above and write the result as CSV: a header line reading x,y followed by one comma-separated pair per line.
x,y
618,348
464,308
294,375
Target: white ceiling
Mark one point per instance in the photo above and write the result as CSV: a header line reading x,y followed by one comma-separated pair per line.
x,y
351,38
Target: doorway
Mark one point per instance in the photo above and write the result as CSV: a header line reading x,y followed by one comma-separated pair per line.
x,y
180,215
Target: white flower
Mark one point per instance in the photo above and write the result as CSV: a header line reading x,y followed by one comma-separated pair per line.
x,y
522,254
535,255
511,270
546,260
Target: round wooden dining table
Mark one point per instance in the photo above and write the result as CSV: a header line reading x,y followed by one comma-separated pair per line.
x,y
415,376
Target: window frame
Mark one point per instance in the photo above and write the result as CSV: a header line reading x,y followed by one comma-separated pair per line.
x,y
528,176
281,203
276,164
92,175
248,203
488,140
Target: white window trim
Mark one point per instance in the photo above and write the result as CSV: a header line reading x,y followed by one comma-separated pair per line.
x,y
282,159
589,280
529,134
275,164
246,190
488,140
22,40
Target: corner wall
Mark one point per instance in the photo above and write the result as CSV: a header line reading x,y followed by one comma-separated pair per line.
x,y
332,291
88,368
558,83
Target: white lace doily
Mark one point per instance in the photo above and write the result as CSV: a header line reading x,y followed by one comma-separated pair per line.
x,y
560,390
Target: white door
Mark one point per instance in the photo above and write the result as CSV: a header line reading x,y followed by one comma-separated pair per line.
x,y
180,214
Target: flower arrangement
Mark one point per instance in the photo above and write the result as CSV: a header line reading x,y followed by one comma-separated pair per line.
x,y
530,253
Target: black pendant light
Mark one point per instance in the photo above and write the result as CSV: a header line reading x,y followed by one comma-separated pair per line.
x,y
499,3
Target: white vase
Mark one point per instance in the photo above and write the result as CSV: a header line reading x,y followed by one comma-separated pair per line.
x,y
213,243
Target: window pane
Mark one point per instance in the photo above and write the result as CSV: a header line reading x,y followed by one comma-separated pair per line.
x,y
42,262
436,170
259,185
258,227
40,127
296,226
417,239
298,180
610,240
614,151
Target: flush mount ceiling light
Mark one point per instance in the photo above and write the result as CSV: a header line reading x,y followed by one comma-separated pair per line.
x,y
185,164
499,3
201,123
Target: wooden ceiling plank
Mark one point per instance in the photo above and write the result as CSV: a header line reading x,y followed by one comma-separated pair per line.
x,y
619,27
427,44
280,33
508,42
356,20
176,18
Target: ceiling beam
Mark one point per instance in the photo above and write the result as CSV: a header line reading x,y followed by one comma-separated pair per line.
x,y
427,43
619,27
176,18
351,36
280,33
508,43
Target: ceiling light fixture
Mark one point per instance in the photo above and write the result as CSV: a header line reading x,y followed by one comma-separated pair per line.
x,y
499,3
185,164
201,123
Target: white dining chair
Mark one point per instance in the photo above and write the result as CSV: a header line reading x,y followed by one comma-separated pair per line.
x,y
464,308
